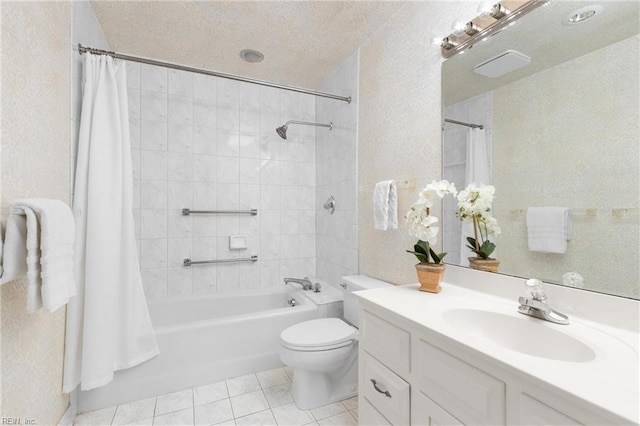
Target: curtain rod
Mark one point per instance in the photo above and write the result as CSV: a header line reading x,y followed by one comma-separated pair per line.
x,y
147,61
462,123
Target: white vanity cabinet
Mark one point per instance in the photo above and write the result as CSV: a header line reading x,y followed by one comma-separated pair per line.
x,y
409,375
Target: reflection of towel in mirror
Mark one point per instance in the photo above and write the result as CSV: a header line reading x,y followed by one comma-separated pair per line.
x,y
385,205
548,229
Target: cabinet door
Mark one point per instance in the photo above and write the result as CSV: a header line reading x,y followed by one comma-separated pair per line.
x,y
425,412
368,415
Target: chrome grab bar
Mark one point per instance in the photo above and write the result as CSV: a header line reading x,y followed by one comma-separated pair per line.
x,y
189,262
187,212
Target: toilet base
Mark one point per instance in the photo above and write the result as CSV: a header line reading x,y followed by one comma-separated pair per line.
x,y
313,389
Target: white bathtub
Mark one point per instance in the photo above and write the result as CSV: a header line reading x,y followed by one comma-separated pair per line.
x,y
205,339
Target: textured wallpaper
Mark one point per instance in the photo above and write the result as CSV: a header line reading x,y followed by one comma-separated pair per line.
x,y
35,163
399,129
583,156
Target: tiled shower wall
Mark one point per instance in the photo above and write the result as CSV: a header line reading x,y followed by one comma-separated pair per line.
x,y
337,248
478,110
205,143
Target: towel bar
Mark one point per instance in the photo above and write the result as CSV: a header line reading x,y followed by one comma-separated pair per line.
x,y
189,262
187,212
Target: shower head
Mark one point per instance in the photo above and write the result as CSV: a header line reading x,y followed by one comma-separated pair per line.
x,y
282,130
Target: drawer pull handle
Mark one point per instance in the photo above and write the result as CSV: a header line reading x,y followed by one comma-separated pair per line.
x,y
376,387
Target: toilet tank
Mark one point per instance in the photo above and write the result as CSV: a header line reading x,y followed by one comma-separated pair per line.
x,y
351,283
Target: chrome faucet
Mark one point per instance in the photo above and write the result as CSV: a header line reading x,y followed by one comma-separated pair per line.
x,y
304,282
535,303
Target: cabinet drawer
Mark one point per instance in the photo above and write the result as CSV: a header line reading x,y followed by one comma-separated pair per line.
x,y
428,413
473,395
385,390
389,344
368,415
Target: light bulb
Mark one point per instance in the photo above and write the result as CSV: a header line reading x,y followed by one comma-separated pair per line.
x,y
485,8
458,27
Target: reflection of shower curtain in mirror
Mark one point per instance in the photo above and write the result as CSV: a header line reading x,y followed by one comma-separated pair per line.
x,y
108,324
477,171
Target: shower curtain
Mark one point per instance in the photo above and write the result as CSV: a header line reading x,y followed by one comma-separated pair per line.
x,y
108,324
477,171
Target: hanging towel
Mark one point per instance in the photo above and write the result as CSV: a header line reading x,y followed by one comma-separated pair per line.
x,y
385,205
548,229
13,255
49,242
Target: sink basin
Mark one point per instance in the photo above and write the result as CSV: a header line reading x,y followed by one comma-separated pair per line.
x,y
525,335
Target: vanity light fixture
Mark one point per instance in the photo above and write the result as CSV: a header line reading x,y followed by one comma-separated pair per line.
x,y
464,36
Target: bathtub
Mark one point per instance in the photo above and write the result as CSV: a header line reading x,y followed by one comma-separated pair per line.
x,y
206,339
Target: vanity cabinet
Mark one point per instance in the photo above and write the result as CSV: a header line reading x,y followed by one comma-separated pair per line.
x,y
409,375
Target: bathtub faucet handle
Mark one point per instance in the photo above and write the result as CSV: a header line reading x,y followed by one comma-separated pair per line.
x,y
303,282
316,288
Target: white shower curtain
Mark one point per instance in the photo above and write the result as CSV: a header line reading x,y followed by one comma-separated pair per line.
x,y
477,171
108,324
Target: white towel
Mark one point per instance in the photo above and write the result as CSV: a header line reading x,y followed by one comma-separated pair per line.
x,y
385,205
548,229
49,242
14,252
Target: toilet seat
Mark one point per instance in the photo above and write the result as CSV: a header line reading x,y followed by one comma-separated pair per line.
x,y
318,335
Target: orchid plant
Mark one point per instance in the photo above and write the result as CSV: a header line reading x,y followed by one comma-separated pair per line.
x,y
474,204
423,225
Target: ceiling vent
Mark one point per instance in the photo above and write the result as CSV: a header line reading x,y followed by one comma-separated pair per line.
x,y
502,64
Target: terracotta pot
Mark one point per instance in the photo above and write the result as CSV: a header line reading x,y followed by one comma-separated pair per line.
x,y
429,275
489,265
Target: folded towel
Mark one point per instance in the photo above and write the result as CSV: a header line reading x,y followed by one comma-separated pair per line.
x,y
49,242
14,252
385,205
548,229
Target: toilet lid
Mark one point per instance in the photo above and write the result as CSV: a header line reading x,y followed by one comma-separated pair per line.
x,y
318,333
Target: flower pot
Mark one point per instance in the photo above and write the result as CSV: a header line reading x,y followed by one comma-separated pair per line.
x,y
429,275
488,265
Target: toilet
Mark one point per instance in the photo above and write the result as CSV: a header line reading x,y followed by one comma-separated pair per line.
x,y
324,352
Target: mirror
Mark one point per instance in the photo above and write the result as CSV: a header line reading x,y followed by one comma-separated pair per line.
x,y
562,130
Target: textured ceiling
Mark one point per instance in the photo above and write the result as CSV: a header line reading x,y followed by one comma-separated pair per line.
x,y
302,41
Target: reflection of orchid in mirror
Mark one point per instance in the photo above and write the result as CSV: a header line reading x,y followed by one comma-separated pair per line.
x,y
423,225
474,203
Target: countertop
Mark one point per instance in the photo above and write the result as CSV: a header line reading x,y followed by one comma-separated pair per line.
x,y
610,381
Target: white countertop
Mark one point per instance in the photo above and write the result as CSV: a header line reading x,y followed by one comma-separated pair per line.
x,y
610,381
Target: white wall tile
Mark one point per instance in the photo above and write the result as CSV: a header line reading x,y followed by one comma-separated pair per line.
x,y
179,110
178,250
153,78
153,106
153,165
154,282
180,138
153,194
153,135
205,87
180,166
180,195
154,223
228,143
228,170
179,226
179,281
205,140
180,83
204,168
153,253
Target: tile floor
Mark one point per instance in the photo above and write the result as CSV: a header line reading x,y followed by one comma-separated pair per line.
x,y
255,399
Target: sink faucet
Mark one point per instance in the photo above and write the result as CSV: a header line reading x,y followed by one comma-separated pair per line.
x,y
535,303
304,282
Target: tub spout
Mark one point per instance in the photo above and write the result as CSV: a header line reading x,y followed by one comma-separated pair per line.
x,y
304,282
